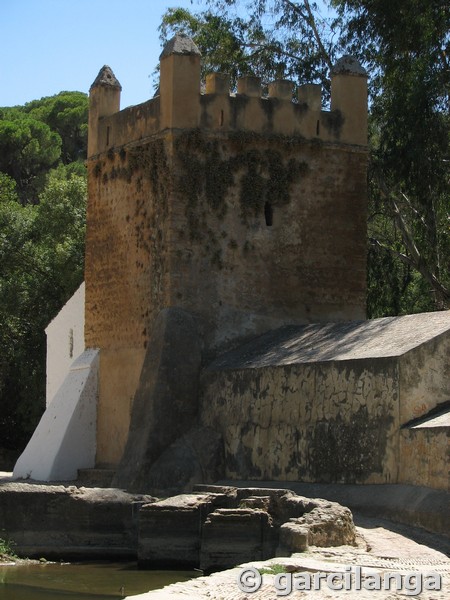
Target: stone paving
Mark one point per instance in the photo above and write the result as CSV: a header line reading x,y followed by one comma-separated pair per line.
x,y
382,548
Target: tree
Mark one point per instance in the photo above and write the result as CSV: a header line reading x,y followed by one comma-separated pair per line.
x,y
406,45
28,148
40,135
41,265
42,230
268,38
66,114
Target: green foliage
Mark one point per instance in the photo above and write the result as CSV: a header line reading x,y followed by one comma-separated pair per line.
x,y
406,46
218,38
41,135
275,569
65,113
272,39
41,265
28,148
8,187
42,230
6,549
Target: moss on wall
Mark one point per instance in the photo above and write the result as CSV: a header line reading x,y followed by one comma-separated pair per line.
x,y
261,173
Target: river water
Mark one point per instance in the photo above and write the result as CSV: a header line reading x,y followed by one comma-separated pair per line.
x,y
82,581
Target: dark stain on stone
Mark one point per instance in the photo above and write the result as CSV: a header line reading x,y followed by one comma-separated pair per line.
x,y
333,121
346,452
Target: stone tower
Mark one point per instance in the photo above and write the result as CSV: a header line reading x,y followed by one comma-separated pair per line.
x,y
247,211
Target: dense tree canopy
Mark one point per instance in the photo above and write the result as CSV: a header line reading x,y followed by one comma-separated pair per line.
x,y
42,229
40,135
67,115
406,46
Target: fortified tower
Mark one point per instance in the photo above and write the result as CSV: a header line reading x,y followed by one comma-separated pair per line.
x,y
247,211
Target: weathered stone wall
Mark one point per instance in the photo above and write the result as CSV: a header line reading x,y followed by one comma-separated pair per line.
x,y
266,230
334,403
424,456
425,374
58,522
330,422
194,235
125,268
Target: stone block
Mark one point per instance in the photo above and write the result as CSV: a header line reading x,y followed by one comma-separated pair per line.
x,y
293,538
249,86
217,83
310,94
234,536
281,88
256,502
170,530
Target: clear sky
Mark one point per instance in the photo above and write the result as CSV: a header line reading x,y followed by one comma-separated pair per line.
x,y
47,46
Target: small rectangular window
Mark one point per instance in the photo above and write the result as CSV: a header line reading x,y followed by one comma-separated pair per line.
x,y
70,343
268,214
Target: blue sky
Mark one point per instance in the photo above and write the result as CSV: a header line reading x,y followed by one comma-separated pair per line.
x,y
47,46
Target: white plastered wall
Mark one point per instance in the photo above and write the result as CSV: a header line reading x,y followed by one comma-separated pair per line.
x,y
65,341
65,438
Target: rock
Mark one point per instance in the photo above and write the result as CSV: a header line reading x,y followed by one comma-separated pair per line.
x,y
193,458
329,525
170,530
324,524
234,536
214,528
166,402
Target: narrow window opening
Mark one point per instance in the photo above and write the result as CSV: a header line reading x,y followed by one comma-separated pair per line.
x,y
268,214
107,136
221,118
70,343
318,128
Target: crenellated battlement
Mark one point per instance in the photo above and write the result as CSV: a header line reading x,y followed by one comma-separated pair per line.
x,y
181,105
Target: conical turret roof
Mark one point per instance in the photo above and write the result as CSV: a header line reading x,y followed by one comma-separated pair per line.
x,y
180,44
349,65
106,77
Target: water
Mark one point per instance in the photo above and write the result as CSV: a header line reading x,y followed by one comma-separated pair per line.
x,y
82,581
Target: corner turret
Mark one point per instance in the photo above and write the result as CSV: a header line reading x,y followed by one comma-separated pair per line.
x,y
104,100
180,83
349,96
